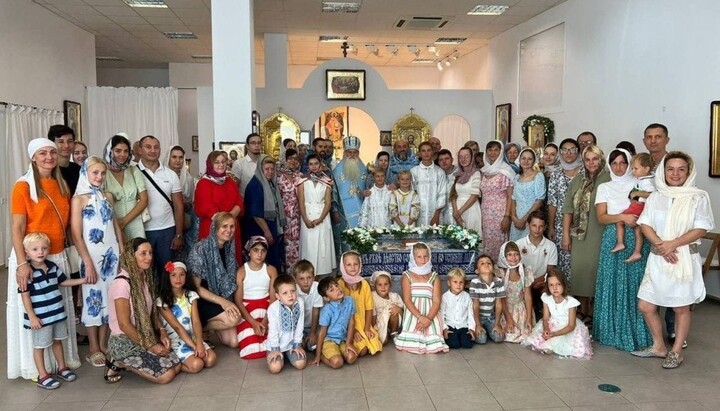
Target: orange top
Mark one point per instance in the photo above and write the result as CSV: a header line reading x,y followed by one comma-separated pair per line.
x,y
41,216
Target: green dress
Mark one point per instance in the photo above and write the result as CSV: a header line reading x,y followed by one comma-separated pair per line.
x,y
125,197
584,254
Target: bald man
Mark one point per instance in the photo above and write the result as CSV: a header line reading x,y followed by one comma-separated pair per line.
x,y
402,159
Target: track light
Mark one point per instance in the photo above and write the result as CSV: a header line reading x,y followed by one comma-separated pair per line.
x,y
414,50
393,49
447,63
440,66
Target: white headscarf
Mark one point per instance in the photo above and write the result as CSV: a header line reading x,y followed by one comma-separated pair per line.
x,y
681,217
424,269
499,166
505,265
620,186
29,177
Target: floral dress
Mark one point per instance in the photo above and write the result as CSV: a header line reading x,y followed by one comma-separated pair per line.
x,y
287,182
493,206
557,187
516,304
102,245
182,310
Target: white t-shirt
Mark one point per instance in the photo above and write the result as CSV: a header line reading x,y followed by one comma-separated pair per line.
x,y
537,258
310,300
161,213
615,196
244,170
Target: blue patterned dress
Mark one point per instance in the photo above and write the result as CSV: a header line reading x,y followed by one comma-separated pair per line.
x,y
525,193
182,310
102,244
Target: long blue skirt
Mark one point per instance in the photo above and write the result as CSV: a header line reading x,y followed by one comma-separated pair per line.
x,y
617,321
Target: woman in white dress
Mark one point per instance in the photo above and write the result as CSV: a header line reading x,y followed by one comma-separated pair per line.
x,y
316,237
674,220
465,192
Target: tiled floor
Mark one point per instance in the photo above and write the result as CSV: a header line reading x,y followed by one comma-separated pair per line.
x,y
491,377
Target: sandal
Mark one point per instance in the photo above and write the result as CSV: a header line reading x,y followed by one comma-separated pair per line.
x,y
66,374
673,360
96,359
48,383
112,378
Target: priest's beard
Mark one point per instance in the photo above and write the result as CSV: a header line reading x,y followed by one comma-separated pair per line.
x,y
351,169
401,156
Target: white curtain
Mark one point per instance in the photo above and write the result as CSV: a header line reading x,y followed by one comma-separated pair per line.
x,y
453,131
132,110
19,125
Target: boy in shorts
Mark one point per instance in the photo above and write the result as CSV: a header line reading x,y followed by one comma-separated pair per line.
x,y
337,326
44,310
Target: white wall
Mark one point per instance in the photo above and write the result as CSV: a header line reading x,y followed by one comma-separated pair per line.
x,y
125,77
469,72
629,63
43,58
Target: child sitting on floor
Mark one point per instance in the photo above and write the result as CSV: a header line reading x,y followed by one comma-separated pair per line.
x,y
560,332
353,285
337,326
388,307
44,309
307,291
285,327
457,312
487,292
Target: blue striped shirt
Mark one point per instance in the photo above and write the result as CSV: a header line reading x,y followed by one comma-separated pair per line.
x,y
45,295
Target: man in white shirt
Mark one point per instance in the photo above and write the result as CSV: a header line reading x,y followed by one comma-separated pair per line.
x,y
164,230
244,168
430,183
538,254
445,162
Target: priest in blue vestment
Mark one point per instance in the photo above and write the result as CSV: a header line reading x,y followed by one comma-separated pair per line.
x,y
349,176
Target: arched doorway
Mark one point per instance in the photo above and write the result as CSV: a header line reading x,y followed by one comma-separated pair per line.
x,y
341,121
453,131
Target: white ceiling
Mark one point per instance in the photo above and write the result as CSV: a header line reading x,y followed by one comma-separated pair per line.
x,y
136,34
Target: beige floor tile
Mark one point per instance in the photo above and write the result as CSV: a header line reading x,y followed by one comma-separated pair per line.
x,y
259,380
18,407
524,394
670,406
646,389
21,391
502,369
399,398
482,351
133,386
709,401
330,399
205,403
219,382
459,395
77,405
322,377
141,404
277,401
583,391
433,373
389,374
618,364
695,383
548,367
607,407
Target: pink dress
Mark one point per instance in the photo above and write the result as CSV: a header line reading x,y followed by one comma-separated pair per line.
x,y
494,200
287,182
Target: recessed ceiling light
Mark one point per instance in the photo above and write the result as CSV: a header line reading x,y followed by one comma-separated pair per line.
x,y
180,35
340,7
333,39
487,10
450,40
155,4
108,58
202,56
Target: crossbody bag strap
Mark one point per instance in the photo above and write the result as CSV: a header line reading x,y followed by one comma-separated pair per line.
x,y
62,223
158,188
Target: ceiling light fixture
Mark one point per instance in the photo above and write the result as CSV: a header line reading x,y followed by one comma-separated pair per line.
x,y
447,63
440,66
340,7
154,4
414,49
353,50
422,61
450,40
332,39
487,10
392,49
182,35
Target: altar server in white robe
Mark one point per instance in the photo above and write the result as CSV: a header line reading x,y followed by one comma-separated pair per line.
x,y
430,183
375,208
445,161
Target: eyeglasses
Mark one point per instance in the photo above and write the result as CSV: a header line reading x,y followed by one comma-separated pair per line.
x,y
572,150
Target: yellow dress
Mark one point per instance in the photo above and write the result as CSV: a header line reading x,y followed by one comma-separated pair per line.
x,y
363,302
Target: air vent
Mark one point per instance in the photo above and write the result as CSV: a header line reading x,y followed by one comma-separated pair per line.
x,y
332,39
183,35
487,10
340,7
108,58
421,23
450,40
202,56
423,61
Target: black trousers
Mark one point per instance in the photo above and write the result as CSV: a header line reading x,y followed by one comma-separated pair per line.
x,y
459,337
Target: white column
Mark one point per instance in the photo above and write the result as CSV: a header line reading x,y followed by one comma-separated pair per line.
x,y
233,69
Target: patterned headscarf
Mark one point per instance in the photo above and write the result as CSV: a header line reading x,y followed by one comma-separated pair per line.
x,y
581,199
110,159
140,279
204,262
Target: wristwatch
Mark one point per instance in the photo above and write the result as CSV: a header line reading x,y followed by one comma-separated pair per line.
x,y
178,236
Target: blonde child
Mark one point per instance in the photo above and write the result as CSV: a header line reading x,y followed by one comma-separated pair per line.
x,y
178,303
375,208
404,207
285,326
388,307
307,291
642,165
457,312
422,327
517,320
366,337
44,310
487,293
560,332
337,326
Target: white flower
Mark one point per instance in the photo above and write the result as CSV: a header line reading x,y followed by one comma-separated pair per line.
x,y
466,246
374,247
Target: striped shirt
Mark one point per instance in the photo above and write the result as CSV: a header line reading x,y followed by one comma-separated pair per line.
x,y
487,294
47,302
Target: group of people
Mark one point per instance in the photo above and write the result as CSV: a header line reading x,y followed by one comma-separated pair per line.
x,y
158,259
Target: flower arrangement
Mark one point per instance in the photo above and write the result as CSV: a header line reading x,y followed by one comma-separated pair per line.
x,y
364,239
534,120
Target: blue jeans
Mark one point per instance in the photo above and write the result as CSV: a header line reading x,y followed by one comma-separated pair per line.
x,y
161,241
488,323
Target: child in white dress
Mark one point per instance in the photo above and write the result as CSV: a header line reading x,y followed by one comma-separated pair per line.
x,y
404,205
560,332
375,208
388,306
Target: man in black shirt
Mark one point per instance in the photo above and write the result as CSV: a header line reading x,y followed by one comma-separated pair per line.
x,y
64,138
